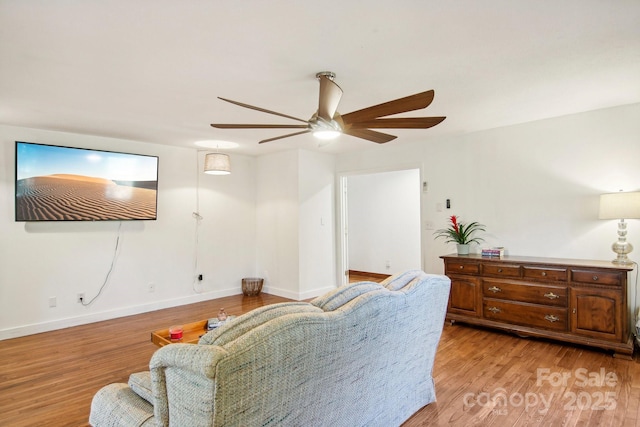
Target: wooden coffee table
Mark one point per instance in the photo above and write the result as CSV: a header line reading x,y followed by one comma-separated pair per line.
x,y
190,335
235,306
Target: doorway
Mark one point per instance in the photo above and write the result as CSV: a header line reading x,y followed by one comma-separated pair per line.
x,y
380,219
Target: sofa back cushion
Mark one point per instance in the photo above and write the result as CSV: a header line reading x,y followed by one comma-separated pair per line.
x,y
400,280
365,346
342,295
248,321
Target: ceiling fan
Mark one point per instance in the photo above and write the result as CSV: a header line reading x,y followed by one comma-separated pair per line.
x,y
327,123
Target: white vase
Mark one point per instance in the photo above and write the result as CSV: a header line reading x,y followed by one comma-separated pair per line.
x,y
463,249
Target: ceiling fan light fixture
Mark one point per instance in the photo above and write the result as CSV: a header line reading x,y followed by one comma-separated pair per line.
x,y
324,129
217,164
326,134
327,123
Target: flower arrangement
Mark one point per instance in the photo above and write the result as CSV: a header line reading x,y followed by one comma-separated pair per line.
x,y
459,232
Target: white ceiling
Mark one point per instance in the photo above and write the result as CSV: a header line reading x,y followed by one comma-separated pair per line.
x,y
150,70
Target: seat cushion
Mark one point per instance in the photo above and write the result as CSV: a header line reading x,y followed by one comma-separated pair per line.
x,y
140,383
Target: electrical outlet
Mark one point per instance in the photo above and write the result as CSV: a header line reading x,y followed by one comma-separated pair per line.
x,y
53,301
80,297
152,287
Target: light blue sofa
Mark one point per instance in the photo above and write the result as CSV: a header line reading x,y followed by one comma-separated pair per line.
x,y
361,355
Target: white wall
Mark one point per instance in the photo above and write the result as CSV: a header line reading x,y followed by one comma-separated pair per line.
x,y
384,221
43,260
295,223
227,242
535,186
277,222
316,195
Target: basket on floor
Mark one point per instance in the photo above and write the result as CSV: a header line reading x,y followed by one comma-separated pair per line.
x,y
252,286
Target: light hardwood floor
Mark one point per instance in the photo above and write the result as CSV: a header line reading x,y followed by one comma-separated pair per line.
x,y
361,276
49,379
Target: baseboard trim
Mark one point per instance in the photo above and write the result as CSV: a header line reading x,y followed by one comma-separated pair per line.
x,y
37,328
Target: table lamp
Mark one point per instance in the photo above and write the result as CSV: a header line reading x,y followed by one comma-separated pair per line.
x,y
620,206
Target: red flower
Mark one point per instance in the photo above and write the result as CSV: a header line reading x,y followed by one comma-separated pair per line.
x,y
454,221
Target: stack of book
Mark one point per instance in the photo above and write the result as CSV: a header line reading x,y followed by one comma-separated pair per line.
x,y
493,252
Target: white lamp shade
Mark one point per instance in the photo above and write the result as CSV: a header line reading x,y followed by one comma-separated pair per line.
x,y
620,205
217,164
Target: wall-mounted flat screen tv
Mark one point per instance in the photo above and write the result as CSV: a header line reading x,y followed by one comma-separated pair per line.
x,y
55,183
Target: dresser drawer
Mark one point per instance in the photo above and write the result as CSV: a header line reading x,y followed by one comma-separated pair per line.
x,y
535,316
525,292
462,268
501,270
545,273
595,277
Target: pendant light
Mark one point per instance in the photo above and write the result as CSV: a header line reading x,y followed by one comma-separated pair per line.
x,y
217,164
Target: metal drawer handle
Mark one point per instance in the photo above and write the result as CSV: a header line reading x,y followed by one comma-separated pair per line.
x,y
461,267
595,278
494,309
551,318
544,273
494,289
499,270
551,295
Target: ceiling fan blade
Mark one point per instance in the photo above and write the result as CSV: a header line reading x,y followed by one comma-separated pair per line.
x,y
252,107
330,94
399,123
283,136
401,105
256,126
370,135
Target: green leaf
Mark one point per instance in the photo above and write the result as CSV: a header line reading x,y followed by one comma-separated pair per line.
x,y
463,236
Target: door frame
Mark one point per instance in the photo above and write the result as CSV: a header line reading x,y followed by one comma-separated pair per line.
x,y
342,214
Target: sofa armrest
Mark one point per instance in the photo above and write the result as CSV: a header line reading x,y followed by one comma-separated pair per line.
x,y
184,373
118,405
200,359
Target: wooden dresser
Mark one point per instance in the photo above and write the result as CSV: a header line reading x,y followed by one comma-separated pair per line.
x,y
576,301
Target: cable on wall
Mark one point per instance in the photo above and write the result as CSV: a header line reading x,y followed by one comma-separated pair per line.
x,y
106,279
198,218
196,215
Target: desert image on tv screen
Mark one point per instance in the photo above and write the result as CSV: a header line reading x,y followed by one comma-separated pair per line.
x,y
73,184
